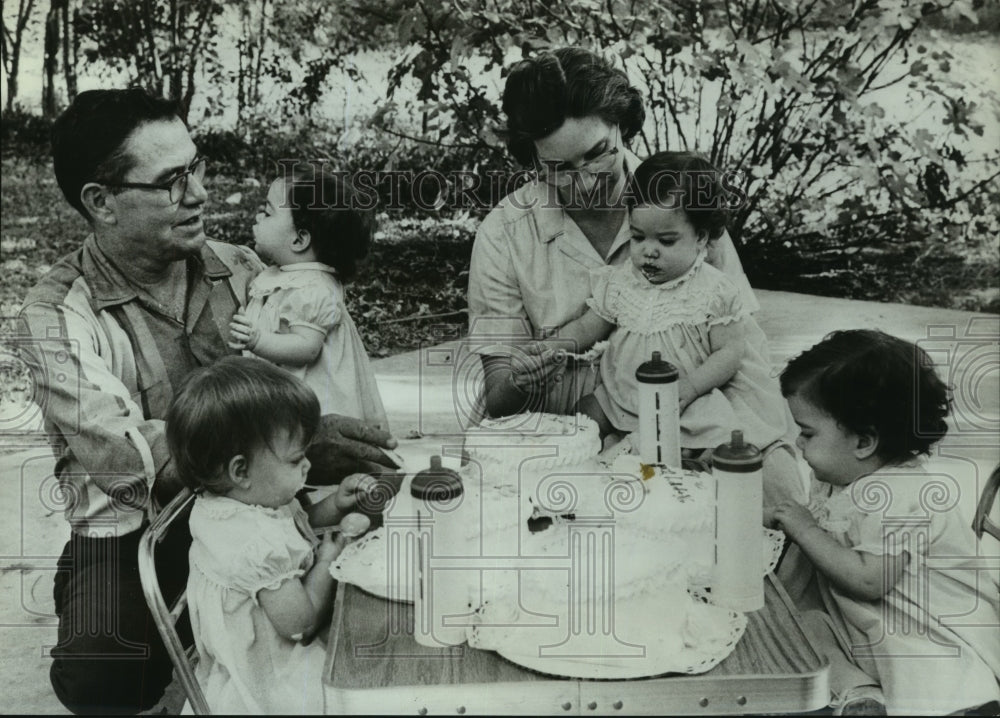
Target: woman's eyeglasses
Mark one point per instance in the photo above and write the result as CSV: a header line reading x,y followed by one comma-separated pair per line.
x,y
176,185
560,174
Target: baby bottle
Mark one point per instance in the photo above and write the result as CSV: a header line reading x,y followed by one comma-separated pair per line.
x,y
438,496
659,413
739,538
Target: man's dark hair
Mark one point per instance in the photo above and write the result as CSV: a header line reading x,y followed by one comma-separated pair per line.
x,y
543,91
88,138
868,380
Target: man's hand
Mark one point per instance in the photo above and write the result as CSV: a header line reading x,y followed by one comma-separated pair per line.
x,y
345,446
243,334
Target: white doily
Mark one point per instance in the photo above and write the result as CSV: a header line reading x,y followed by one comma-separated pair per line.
x,y
709,637
365,563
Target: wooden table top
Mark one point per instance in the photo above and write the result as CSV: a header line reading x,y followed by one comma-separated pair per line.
x,y
375,666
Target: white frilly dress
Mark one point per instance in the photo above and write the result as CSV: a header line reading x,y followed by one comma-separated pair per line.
x,y
245,666
309,294
675,318
933,641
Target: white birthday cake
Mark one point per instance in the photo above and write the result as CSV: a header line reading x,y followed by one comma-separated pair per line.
x,y
607,550
592,564
539,477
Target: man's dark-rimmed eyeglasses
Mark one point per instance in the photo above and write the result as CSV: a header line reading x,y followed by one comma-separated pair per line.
x,y
176,186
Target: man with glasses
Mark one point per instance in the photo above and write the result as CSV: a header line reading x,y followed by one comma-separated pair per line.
x,y
115,327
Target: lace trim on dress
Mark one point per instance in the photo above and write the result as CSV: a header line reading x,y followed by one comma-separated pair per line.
x,y
686,277
728,319
641,307
834,515
221,507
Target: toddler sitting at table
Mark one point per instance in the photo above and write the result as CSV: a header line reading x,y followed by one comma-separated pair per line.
x,y
896,602
260,584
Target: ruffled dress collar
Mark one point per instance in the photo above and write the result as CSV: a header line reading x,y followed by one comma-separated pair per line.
x,y
835,513
673,283
223,507
290,276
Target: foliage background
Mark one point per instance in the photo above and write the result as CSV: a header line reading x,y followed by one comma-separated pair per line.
x,y
867,138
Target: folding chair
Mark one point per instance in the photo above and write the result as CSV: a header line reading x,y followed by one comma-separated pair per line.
x,y
981,521
165,618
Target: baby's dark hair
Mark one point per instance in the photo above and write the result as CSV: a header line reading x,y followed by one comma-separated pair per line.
x,y
869,380
235,406
327,205
684,180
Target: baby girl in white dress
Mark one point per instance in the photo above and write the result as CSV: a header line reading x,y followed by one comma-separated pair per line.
x,y
670,300
260,584
315,232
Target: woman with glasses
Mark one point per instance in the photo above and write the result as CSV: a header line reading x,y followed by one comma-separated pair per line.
x,y
570,116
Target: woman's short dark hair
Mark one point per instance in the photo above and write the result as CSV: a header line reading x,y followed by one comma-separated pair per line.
x,y
326,205
88,138
869,380
543,91
683,180
236,406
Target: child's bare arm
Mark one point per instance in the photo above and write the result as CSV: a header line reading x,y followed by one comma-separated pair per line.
x,y
334,507
728,344
300,346
861,575
585,331
296,608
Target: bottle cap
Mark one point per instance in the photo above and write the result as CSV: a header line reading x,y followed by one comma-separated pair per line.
x,y
656,371
436,483
737,456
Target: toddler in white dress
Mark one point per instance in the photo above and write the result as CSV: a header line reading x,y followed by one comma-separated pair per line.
x,y
885,567
670,300
259,586
314,231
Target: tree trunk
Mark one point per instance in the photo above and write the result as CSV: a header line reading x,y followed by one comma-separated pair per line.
x,y
49,108
69,45
12,82
13,60
261,43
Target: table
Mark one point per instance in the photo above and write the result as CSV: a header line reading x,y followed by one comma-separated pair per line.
x,y
374,666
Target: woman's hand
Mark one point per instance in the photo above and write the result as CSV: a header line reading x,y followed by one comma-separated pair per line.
x,y
243,334
536,364
343,446
516,380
